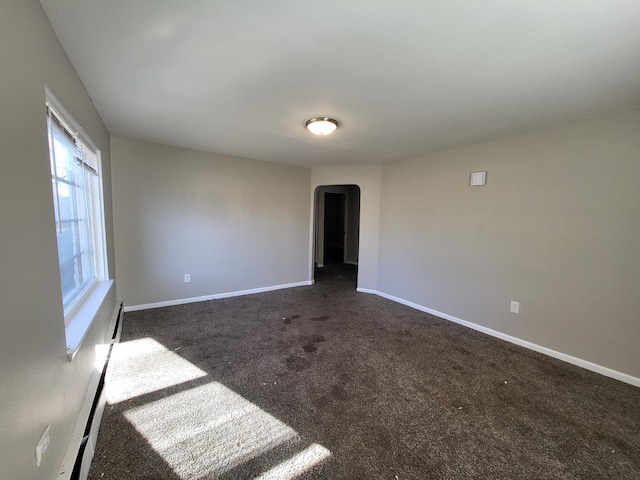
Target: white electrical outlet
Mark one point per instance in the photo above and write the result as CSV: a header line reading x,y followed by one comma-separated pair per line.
x,y
42,445
187,277
515,307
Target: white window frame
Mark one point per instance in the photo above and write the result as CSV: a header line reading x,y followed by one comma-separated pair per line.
x,y
79,314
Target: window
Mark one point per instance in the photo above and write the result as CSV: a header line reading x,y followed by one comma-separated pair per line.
x,y
77,197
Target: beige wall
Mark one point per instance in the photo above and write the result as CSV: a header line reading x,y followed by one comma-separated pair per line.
x,y
39,386
352,224
233,224
368,179
557,228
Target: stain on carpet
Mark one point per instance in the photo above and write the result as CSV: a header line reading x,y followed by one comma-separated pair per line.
x,y
297,363
339,393
287,320
319,319
310,346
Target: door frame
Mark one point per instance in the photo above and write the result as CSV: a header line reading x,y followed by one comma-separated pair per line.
x,y
317,216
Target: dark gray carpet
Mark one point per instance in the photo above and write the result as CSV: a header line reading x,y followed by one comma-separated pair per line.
x,y
324,382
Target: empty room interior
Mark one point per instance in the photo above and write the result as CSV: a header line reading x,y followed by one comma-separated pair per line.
x,y
320,239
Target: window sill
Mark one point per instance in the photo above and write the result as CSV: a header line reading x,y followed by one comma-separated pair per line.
x,y
83,317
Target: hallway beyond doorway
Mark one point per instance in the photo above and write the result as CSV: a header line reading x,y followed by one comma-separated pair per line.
x,y
338,275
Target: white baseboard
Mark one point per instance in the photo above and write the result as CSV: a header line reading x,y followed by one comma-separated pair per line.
x,y
216,296
367,290
623,377
320,265
351,262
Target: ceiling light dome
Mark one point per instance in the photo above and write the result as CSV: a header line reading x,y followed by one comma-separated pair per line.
x,y
321,125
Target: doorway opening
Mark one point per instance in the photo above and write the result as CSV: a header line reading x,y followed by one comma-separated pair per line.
x,y
337,233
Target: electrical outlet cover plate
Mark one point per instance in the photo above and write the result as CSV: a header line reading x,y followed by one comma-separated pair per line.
x,y
42,445
515,307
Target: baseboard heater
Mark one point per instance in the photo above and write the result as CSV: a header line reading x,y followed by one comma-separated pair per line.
x,y
82,464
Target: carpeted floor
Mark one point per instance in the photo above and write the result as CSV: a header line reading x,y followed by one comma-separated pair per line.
x,y
324,382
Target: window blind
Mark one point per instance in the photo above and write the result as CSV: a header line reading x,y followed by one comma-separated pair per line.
x,y
84,153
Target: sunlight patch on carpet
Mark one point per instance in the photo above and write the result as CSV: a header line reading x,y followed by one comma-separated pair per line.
x,y
300,463
145,366
208,430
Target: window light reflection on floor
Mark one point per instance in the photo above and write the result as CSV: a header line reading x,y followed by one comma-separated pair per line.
x,y
213,431
300,463
202,431
145,366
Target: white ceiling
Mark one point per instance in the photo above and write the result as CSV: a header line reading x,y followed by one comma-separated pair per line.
x,y
403,77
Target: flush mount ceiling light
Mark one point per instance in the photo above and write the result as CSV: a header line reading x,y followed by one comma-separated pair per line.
x,y
321,125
